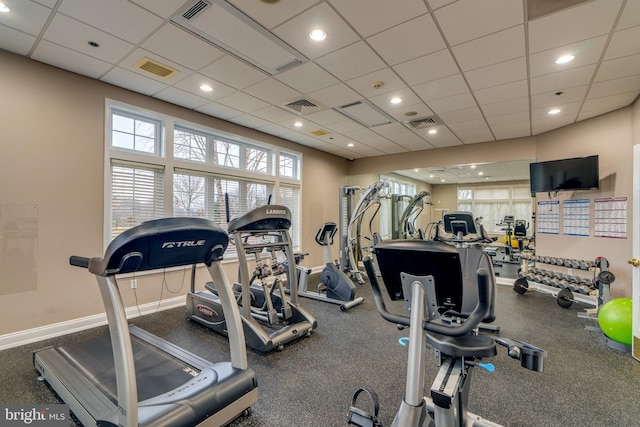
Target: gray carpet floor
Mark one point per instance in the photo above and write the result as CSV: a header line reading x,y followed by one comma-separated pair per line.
x,y
311,382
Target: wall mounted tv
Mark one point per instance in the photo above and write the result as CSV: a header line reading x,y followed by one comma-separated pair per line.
x,y
579,173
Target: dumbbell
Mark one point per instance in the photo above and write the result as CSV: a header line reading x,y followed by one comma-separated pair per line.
x,y
559,261
565,298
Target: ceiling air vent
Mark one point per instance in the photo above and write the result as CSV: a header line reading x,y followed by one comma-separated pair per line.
x,y
194,10
300,105
156,68
425,122
365,113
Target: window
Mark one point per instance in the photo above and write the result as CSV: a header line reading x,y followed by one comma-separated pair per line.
x,y
494,203
202,170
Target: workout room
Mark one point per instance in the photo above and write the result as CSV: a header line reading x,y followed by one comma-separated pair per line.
x,y
258,190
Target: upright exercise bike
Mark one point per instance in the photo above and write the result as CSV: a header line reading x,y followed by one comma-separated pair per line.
x,y
335,287
428,276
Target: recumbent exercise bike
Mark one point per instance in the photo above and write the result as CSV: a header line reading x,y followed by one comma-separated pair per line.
x,y
428,276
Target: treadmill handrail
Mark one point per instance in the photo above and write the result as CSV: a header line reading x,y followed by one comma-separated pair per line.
x,y
481,310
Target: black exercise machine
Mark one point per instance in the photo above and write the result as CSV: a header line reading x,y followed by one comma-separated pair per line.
x,y
133,378
335,286
428,276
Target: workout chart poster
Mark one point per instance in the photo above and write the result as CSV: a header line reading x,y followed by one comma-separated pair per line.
x,y
548,216
611,217
575,219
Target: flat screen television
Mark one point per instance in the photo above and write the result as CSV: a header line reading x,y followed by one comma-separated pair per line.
x,y
579,173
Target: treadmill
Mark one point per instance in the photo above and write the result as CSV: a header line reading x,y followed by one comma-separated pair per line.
x,y
133,378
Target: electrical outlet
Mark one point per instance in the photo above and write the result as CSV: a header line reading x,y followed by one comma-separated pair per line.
x,y
134,283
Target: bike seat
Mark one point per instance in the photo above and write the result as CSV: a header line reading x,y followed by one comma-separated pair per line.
x,y
465,346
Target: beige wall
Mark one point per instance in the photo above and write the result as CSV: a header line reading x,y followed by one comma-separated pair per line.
x,y
51,156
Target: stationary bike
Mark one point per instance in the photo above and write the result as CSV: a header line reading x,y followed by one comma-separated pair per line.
x,y
336,287
428,276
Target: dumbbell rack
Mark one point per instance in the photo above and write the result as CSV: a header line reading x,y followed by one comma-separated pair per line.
x,y
567,288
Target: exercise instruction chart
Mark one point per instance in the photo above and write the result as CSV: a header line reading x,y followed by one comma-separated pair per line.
x,y
548,217
575,220
611,217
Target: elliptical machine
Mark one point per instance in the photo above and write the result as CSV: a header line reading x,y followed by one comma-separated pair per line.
x,y
335,286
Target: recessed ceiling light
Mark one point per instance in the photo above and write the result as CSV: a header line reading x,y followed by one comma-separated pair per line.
x,y
4,8
415,170
564,59
487,177
351,144
396,100
473,166
317,35
430,176
442,180
481,173
553,112
298,124
206,88
433,131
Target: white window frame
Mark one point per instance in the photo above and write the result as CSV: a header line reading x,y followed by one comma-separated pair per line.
x,y
164,159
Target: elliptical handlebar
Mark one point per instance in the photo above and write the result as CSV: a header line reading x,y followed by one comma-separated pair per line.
x,y
478,314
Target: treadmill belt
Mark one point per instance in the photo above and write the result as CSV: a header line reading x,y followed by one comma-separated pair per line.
x,y
156,371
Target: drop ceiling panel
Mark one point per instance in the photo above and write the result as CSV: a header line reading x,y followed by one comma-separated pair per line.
x,y
307,78
426,68
497,74
453,103
182,47
491,49
615,87
464,115
346,126
630,15
547,100
336,95
75,35
120,18
364,84
607,103
512,130
274,129
26,16
444,138
296,31
218,110
586,52
341,63
441,88
539,127
502,93
243,102
511,118
181,97
619,67
234,72
249,121
373,16
325,117
272,91
461,21
568,109
562,80
193,82
405,94
505,107
414,38
274,114
68,59
436,4
49,3
16,41
133,81
472,132
162,8
403,137
274,14
420,110
572,25
624,43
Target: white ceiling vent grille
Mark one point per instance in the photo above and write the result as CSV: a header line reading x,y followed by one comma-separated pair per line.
x,y
304,106
226,27
423,123
195,9
365,113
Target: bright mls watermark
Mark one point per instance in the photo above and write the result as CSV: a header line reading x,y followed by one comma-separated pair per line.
x,y
34,415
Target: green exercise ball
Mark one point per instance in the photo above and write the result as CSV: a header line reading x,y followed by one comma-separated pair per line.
x,y
614,318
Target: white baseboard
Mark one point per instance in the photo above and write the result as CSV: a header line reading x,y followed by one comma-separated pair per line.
x,y
28,336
